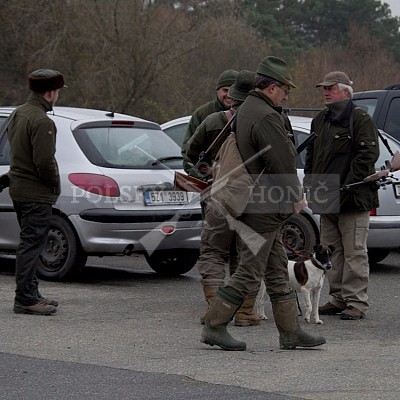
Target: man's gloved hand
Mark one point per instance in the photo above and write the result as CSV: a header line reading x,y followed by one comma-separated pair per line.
x,y
4,182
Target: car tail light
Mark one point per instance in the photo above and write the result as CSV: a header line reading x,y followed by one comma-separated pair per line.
x,y
123,123
373,212
168,229
97,184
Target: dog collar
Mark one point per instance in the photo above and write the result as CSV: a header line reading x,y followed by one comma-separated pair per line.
x,y
316,263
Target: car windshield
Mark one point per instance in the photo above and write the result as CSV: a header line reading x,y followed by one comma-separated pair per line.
x,y
177,133
128,147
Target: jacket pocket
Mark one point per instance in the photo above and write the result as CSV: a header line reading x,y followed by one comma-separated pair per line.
x,y
341,143
361,233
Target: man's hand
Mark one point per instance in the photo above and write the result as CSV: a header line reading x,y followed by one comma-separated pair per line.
x,y
300,205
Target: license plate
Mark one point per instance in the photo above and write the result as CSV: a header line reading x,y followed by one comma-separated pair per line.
x,y
165,197
397,190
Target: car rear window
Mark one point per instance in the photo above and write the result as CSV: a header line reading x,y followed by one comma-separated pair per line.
x,y
369,105
128,147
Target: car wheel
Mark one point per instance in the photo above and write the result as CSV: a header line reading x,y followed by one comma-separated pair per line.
x,y
172,262
62,257
299,237
376,255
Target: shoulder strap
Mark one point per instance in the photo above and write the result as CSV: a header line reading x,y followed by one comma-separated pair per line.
x,y
227,126
351,128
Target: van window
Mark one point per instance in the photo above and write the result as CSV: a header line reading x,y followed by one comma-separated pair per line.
x,y
369,105
392,123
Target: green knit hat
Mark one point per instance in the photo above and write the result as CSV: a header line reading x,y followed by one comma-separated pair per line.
x,y
275,68
243,85
227,78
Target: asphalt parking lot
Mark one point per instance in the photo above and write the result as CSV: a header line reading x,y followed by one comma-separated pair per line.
x,y
126,333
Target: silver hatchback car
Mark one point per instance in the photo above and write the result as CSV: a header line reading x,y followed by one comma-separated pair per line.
x,y
117,196
301,231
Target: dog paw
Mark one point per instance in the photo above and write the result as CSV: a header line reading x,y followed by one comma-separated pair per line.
x,y
319,322
307,319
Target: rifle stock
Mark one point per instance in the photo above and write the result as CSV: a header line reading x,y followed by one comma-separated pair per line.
x,y
187,183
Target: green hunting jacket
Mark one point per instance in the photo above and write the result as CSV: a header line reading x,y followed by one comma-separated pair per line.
x,y
34,175
263,138
204,136
349,154
197,118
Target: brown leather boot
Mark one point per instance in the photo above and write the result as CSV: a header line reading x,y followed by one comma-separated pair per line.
x,y
209,294
39,308
245,316
210,288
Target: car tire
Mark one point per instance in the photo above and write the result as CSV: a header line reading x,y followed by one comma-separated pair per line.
x,y
377,255
62,257
172,262
299,237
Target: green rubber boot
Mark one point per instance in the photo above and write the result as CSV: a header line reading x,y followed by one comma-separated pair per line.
x,y
222,310
291,335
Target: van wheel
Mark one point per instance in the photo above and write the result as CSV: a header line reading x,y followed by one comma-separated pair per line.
x,y
172,262
298,236
62,257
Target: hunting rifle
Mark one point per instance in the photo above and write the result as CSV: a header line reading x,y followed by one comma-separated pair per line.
x,y
383,177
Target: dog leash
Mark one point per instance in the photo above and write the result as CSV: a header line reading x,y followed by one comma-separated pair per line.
x,y
302,254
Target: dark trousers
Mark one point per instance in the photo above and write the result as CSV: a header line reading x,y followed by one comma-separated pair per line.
x,y
34,221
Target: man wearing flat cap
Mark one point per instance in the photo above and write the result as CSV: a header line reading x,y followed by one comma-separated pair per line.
x,y
267,151
222,102
34,184
346,147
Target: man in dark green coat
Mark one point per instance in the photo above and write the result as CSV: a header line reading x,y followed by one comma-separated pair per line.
x,y
346,147
34,184
218,239
222,102
261,126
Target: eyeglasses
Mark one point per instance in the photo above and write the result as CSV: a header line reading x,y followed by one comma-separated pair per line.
x,y
286,90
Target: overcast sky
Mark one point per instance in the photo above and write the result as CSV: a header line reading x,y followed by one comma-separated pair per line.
x,y
394,6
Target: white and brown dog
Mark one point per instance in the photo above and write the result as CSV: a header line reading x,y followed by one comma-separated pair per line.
x,y
307,278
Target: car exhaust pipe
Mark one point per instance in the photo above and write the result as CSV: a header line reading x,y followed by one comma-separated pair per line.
x,y
128,251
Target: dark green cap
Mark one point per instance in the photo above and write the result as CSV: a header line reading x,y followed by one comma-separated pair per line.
x,y
277,69
227,78
243,86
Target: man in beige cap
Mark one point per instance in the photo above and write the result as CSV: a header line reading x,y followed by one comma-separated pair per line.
x,y
222,102
347,147
260,126
34,184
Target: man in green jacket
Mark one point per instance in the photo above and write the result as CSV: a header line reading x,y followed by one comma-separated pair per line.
x,y
222,102
260,126
346,147
34,184
218,239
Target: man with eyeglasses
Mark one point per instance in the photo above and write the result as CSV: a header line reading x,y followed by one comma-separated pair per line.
x,y
260,126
